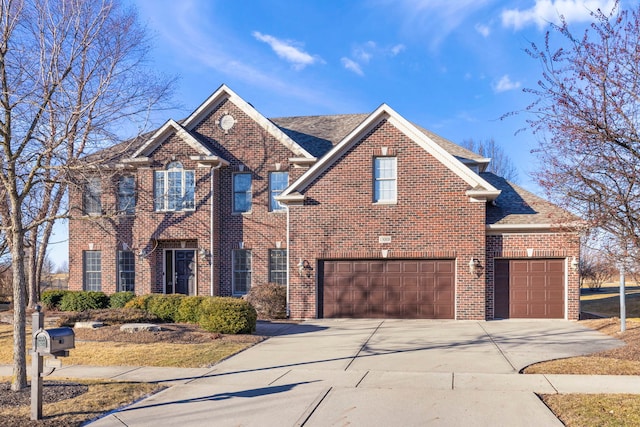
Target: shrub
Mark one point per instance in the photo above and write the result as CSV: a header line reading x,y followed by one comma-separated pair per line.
x,y
119,299
111,316
190,309
140,302
50,299
269,300
82,301
227,315
165,306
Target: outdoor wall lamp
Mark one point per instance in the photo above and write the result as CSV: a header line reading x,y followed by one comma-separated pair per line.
x,y
204,253
143,253
304,268
575,264
475,267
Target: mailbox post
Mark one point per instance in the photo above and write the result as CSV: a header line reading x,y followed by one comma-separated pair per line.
x,y
37,324
46,342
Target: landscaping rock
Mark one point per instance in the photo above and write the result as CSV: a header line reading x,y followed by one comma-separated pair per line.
x,y
140,327
88,325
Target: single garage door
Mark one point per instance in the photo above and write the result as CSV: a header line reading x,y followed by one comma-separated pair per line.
x,y
529,289
405,289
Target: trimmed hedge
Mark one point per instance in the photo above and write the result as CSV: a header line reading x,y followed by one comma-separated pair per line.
x,y
165,306
190,309
50,299
140,302
227,315
119,299
83,300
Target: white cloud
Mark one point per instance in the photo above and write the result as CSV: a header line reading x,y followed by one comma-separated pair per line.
x,y
288,51
484,30
352,65
505,84
546,11
397,49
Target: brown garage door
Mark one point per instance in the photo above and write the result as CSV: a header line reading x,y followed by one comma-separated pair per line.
x,y
529,289
407,289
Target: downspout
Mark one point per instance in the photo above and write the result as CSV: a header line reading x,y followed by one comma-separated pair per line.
x,y
288,310
211,224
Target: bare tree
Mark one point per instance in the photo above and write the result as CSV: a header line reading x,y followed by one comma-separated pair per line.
x,y
72,75
596,268
500,164
587,113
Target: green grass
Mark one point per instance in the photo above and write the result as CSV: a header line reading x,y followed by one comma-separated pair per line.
x,y
606,301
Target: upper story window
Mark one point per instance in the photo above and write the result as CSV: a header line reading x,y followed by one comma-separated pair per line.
x,y
174,188
126,195
242,192
278,181
92,196
385,175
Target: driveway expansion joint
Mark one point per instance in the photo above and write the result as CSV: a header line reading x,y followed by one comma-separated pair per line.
x,y
364,345
495,343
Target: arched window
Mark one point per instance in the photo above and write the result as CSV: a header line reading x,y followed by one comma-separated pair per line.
x,y
174,188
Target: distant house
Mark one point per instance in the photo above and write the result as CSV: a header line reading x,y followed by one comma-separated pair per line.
x,y
362,215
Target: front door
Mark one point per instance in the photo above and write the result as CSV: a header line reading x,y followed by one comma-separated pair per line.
x,y
180,269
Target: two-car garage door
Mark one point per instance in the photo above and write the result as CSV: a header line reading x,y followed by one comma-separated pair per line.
x,y
407,289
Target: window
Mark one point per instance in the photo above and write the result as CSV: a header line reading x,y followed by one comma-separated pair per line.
x,y
92,266
242,192
241,271
174,188
385,173
278,181
278,266
126,271
126,195
92,196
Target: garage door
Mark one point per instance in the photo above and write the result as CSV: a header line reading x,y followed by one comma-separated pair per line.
x,y
407,289
529,289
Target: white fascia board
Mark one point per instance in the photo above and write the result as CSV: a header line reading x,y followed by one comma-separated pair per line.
x,y
224,93
328,159
170,127
290,199
447,159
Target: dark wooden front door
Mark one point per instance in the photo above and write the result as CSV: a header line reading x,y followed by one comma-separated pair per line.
x,y
407,289
180,271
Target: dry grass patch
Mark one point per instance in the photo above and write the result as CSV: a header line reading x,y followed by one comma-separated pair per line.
x,y
606,302
178,346
603,410
100,397
619,361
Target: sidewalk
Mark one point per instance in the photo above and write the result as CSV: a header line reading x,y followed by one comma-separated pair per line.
x,y
536,383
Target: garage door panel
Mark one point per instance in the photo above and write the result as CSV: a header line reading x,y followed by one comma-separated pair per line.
x,y
529,288
389,288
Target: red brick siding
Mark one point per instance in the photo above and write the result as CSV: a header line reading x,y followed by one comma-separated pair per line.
x,y
433,218
245,144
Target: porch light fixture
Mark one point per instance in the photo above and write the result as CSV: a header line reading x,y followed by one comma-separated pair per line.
x,y
143,253
304,268
575,264
204,253
475,267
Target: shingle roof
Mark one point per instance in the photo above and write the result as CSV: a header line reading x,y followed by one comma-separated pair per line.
x,y
318,134
517,206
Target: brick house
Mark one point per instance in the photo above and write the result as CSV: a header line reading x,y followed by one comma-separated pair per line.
x,y
362,215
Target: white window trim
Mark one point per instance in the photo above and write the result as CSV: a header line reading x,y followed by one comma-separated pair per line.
x,y
233,272
233,196
165,192
394,179
281,207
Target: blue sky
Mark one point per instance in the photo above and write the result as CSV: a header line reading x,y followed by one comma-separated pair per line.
x,y
452,66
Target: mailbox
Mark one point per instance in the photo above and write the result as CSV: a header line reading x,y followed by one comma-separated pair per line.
x,y
54,341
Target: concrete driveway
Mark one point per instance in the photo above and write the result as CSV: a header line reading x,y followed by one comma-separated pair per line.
x,y
377,372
